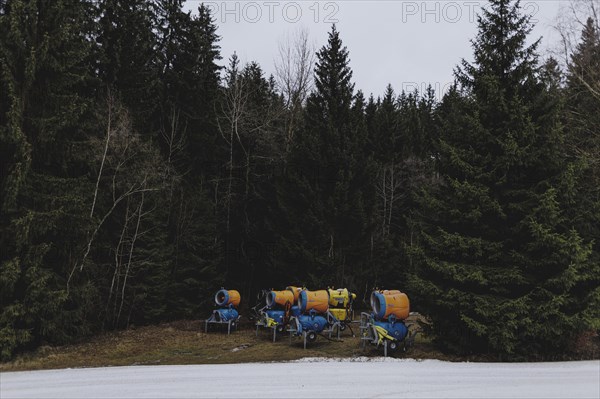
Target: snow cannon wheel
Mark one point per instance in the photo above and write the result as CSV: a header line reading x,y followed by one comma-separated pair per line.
x,y
343,327
311,336
280,328
393,345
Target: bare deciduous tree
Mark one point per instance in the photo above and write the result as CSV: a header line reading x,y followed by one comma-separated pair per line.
x,y
294,71
571,22
129,167
389,190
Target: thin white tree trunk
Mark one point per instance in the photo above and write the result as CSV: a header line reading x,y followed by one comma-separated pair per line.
x,y
118,254
133,240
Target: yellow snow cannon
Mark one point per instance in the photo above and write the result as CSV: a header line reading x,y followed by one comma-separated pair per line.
x,y
340,303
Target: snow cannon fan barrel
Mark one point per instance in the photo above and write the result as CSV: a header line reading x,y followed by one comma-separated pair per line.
x,y
383,292
281,298
313,300
390,303
227,297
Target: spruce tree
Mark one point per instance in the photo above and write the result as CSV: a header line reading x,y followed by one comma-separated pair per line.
x,y
500,259
330,197
45,118
127,57
187,52
583,144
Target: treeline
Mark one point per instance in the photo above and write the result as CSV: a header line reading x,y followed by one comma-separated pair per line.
x,y
138,176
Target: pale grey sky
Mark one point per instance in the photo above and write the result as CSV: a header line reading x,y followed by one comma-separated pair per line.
x,y
406,43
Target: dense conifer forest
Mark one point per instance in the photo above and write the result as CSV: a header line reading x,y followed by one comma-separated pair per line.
x,y
137,177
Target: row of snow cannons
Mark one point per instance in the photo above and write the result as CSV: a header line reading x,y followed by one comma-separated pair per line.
x,y
306,313
226,314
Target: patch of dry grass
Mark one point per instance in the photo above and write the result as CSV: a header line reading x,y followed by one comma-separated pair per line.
x,y
186,343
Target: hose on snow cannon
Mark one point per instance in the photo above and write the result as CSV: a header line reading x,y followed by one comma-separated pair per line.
x,y
313,300
225,297
390,303
392,328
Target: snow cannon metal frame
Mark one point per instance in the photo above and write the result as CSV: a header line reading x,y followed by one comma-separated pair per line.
x,y
279,307
226,314
385,325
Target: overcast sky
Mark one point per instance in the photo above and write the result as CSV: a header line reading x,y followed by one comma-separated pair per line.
x,y
406,43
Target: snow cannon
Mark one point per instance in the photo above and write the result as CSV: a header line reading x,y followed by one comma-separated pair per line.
x,y
313,300
390,303
385,324
227,297
311,324
340,305
279,306
313,314
225,315
280,298
228,301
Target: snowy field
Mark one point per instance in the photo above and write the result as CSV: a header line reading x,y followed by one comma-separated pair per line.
x,y
314,378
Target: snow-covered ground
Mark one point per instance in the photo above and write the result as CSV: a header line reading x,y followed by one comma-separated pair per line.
x,y
314,378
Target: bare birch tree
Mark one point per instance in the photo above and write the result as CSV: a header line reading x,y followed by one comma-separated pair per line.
x,y
572,19
127,169
294,72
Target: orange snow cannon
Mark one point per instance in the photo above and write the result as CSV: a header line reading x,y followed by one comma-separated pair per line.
x,y
281,298
387,303
317,300
227,297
